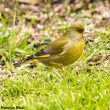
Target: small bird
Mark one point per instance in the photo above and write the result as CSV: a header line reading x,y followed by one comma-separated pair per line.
x,y
63,51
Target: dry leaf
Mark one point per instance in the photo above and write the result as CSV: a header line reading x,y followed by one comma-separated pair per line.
x,y
31,1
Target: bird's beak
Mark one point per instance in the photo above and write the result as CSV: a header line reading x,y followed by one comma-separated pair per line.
x,y
86,33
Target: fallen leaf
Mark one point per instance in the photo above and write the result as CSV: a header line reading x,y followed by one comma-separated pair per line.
x,y
33,2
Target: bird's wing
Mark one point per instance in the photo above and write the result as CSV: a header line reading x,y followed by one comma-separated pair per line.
x,y
53,48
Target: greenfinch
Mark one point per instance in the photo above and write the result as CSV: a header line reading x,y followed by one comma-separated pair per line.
x,y
63,51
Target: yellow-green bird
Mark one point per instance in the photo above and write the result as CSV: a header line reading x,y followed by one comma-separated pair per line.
x,y
63,51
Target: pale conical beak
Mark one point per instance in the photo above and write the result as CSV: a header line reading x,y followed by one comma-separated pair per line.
x,y
86,33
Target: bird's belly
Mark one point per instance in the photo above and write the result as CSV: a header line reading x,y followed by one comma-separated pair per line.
x,y
72,54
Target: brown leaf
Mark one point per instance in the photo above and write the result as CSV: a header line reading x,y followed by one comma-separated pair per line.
x,y
99,59
33,2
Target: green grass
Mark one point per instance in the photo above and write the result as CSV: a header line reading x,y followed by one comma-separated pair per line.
x,y
76,87
43,88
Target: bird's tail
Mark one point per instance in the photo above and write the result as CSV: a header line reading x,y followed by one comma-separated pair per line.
x,y
25,61
31,59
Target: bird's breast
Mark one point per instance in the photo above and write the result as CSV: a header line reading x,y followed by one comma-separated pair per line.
x,y
73,52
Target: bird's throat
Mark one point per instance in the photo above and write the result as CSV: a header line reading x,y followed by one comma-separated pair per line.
x,y
76,37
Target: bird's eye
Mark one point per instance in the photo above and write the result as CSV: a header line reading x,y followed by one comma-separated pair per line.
x,y
80,30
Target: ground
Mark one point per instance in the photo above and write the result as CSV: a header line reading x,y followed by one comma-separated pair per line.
x,y
84,85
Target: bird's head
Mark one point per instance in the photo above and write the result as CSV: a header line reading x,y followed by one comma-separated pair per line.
x,y
76,30
77,27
